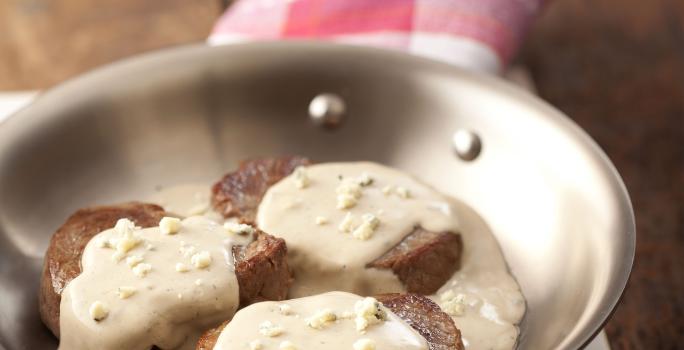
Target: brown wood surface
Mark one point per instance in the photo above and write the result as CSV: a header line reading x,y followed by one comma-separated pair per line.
x,y
615,66
43,42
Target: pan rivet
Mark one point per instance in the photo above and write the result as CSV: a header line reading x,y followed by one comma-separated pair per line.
x,y
327,110
466,144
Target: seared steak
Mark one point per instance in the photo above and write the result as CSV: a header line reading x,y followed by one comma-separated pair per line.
x,y
261,266
261,269
63,257
426,317
239,193
421,313
423,261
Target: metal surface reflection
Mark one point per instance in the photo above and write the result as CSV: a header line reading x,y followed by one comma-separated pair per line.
x,y
552,198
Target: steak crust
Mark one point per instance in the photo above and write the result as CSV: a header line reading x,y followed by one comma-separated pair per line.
x,y
260,267
63,257
208,339
426,317
424,260
239,193
421,313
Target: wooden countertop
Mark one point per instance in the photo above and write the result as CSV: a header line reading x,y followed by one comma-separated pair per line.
x,y
615,66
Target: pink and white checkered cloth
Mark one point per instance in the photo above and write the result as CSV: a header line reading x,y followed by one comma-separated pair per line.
x,y
477,34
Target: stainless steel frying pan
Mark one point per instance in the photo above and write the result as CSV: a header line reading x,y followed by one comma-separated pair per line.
x,y
552,198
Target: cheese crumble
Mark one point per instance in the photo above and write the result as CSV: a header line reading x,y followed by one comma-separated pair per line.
x,y
201,260
367,227
118,256
401,192
321,220
126,292
169,225
126,243
187,250
452,303
321,318
239,229
180,267
127,240
134,260
348,193
368,312
301,178
364,344
285,309
142,269
98,311
255,345
124,226
365,180
347,224
269,329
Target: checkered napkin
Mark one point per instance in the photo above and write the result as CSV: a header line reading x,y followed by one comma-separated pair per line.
x,y
476,34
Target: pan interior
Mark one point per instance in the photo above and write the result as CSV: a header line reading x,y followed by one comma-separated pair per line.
x,y
553,200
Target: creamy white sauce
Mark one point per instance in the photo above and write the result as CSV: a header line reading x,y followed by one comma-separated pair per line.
x,y
326,259
493,302
167,308
185,200
323,257
393,333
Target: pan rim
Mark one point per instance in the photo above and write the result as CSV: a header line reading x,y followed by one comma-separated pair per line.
x,y
30,115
